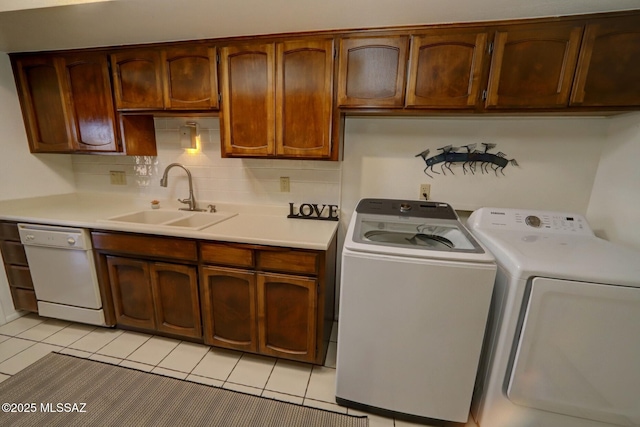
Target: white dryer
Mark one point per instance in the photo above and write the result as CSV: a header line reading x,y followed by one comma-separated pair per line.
x,y
563,344
414,299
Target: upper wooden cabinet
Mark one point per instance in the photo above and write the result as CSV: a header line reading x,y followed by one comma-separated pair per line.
x,y
176,78
533,65
372,71
446,68
66,103
137,79
277,99
247,118
609,64
190,78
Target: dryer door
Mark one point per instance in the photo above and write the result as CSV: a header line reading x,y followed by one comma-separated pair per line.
x,y
579,351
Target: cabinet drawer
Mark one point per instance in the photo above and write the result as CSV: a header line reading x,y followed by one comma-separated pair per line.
x,y
227,254
24,299
19,276
146,246
9,231
13,253
290,261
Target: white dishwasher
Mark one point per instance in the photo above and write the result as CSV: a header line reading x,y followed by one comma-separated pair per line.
x,y
63,272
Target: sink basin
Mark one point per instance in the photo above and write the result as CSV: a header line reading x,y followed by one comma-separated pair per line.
x,y
148,217
178,219
200,220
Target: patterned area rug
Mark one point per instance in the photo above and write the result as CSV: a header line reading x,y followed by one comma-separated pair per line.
x,y
61,390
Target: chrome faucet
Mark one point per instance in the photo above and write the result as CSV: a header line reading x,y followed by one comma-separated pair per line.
x,y
191,201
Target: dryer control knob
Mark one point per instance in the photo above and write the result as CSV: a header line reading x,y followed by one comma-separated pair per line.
x,y
405,207
533,221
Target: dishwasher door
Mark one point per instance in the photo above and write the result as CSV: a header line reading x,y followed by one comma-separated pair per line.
x,y
63,272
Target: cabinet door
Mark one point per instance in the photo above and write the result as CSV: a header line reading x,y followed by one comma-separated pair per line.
x,y
88,87
176,301
247,118
304,98
137,79
372,71
533,66
287,316
609,64
445,69
132,295
190,78
229,308
44,108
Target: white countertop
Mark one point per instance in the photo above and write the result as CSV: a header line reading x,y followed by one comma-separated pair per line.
x,y
264,225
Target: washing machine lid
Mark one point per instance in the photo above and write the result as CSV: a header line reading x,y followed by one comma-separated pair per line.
x,y
412,228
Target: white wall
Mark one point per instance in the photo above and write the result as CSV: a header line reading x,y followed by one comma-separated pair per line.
x,y
23,174
614,208
557,157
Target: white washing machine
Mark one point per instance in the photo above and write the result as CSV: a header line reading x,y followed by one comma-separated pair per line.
x,y
563,347
415,294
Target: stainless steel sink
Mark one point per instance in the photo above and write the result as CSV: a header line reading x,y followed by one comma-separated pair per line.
x,y
177,219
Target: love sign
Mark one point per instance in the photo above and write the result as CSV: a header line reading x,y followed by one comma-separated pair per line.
x,y
314,211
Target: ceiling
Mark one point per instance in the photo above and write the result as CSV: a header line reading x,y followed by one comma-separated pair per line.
x,y
63,24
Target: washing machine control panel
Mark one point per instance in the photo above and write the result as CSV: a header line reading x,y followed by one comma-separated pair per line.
x,y
533,221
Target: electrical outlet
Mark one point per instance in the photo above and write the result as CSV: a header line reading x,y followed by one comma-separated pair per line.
x,y
118,177
425,192
284,184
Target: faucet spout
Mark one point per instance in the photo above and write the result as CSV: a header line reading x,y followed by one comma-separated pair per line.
x,y
191,200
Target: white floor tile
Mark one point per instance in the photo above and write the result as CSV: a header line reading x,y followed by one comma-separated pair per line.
x,y
20,325
4,377
289,378
252,371
77,353
124,345
96,339
106,359
3,338
13,346
137,366
324,405
330,360
184,357
283,397
217,363
374,420
169,373
69,335
154,350
26,357
242,388
44,330
322,385
205,380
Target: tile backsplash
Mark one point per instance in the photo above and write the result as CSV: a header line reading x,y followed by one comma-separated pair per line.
x,y
246,181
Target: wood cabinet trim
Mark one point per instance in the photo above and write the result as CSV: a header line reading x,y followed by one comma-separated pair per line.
x,y
145,246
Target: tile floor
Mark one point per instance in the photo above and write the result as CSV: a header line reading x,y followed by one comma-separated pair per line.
x,y
27,339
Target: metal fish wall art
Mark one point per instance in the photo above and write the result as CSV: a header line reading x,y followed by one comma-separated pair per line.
x,y
470,158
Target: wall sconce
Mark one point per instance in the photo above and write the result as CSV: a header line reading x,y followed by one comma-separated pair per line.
x,y
188,135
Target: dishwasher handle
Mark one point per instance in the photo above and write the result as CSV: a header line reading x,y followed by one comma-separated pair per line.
x,y
54,236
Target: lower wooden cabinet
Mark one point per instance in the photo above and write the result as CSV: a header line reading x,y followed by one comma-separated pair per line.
x,y
155,296
229,308
287,316
17,268
268,300
275,301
